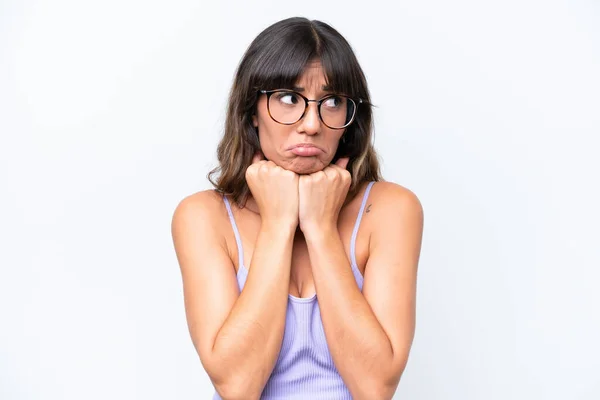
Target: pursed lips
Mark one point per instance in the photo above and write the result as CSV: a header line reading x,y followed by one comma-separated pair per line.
x,y
305,149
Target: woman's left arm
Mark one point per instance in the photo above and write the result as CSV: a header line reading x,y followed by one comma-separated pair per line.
x,y
370,334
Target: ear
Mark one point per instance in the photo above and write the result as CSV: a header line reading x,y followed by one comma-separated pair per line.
x,y
254,121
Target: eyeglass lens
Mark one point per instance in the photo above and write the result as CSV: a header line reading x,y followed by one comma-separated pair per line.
x,y
288,107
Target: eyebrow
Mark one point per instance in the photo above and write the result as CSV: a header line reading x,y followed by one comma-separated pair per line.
x,y
325,88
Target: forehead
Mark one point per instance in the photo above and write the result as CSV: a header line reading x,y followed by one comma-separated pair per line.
x,y
312,76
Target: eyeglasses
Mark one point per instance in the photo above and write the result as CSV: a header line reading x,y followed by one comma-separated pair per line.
x,y
286,107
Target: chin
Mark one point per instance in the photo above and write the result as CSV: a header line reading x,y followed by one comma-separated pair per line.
x,y
307,171
306,165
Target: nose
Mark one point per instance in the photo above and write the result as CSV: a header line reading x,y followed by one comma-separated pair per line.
x,y
310,123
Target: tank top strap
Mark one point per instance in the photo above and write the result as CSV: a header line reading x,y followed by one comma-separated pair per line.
x,y
236,232
356,226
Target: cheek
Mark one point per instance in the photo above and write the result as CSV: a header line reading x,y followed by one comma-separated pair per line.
x,y
261,115
272,137
336,139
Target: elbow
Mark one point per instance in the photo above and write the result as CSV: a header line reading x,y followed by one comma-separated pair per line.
x,y
233,394
242,382
379,391
381,387
236,386
387,390
232,383
234,391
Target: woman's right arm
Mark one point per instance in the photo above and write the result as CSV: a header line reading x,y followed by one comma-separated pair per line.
x,y
237,336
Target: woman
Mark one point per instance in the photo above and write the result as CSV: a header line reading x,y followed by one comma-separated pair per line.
x,y
285,297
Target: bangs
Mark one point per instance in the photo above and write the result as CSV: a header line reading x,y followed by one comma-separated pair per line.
x,y
277,59
340,72
283,71
292,52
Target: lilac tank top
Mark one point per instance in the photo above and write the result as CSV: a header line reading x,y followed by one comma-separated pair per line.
x,y
304,368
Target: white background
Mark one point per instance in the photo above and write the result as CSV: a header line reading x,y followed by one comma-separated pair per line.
x,y
110,113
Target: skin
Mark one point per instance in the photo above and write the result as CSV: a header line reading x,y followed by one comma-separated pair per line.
x,y
296,239
275,138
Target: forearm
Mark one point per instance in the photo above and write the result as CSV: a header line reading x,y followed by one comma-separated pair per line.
x,y
247,345
359,346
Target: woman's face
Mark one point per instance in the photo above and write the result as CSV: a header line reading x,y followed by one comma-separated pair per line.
x,y
277,140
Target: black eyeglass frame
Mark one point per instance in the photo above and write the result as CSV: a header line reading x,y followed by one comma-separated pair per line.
x,y
307,100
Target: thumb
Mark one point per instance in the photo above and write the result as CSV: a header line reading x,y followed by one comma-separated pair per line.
x,y
342,162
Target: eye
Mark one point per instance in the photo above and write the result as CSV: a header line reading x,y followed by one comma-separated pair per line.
x,y
287,98
333,102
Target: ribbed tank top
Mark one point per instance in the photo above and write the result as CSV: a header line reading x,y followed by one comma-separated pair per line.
x,y
304,369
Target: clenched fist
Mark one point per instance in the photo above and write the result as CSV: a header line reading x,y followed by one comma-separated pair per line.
x,y
321,196
275,191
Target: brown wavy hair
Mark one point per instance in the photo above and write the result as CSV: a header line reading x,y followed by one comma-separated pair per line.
x,y
274,60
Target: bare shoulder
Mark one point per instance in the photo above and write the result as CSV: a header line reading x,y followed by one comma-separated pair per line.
x,y
396,230
209,282
198,219
390,201
201,208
